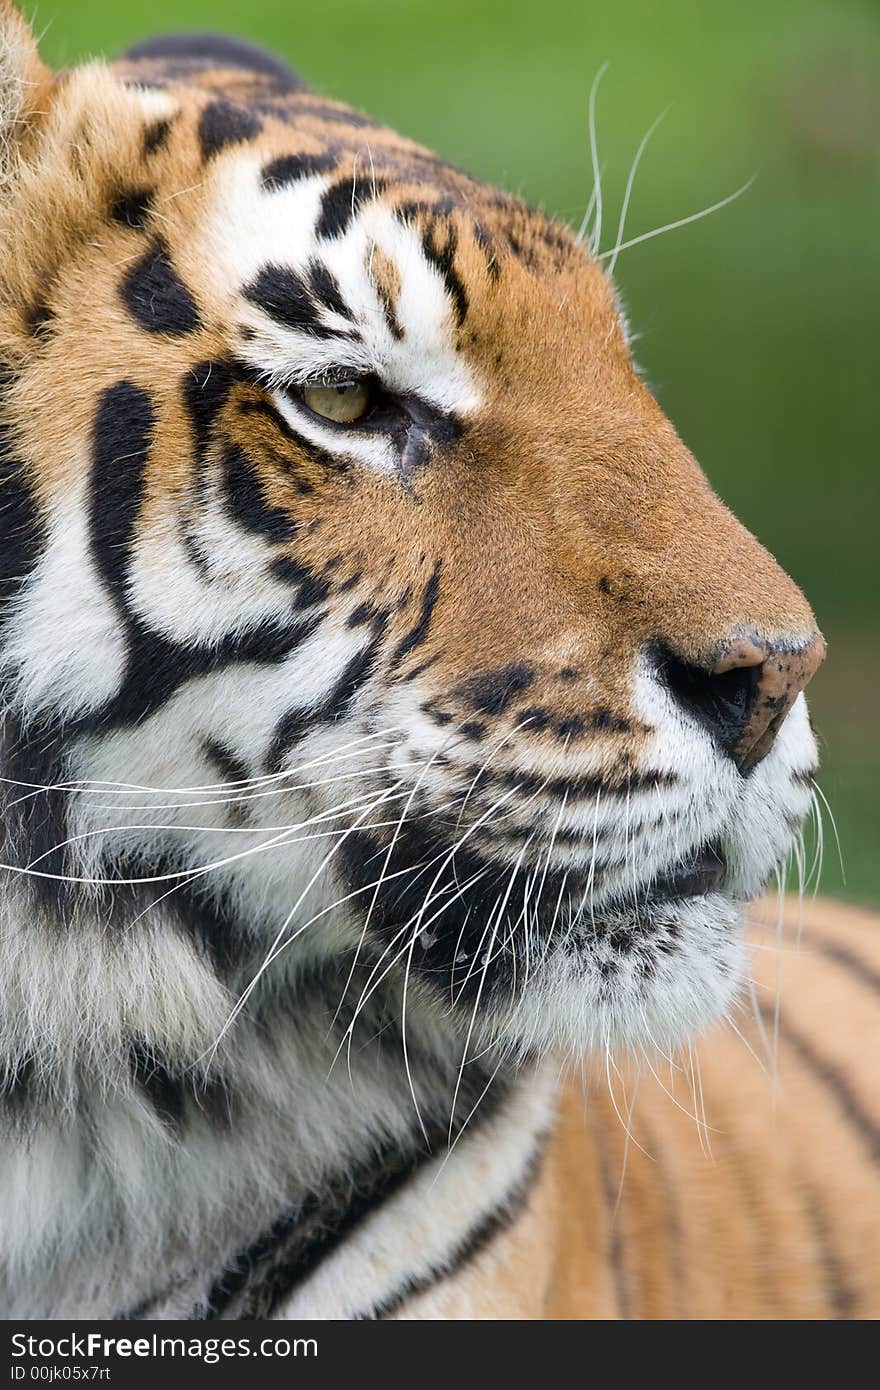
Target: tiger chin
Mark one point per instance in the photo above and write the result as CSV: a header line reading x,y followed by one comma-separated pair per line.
x,y
388,701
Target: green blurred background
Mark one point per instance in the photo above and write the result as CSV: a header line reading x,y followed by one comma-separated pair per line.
x,y
758,324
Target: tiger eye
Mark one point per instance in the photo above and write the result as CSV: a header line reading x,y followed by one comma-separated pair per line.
x,y
342,401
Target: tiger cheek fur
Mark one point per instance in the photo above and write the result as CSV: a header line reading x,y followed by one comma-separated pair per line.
x,y
477,711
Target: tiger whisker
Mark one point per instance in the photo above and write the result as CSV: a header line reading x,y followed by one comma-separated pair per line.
x,y
452,1142
624,1123
696,1068
316,819
679,222
691,1114
473,1018
377,975
596,234
101,787
485,767
745,1042
288,919
390,851
819,792
628,1140
246,798
637,159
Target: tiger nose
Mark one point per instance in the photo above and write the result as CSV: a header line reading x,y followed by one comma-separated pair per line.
x,y
743,695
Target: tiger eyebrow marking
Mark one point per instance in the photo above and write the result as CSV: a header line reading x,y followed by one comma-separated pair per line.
x,y
290,168
293,300
342,201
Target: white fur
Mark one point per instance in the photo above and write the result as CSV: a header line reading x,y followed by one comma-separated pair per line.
x,y
66,650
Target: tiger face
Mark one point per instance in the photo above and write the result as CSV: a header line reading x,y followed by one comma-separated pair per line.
x,y
341,533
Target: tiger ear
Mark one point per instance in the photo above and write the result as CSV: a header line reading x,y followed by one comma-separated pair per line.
x,y
24,89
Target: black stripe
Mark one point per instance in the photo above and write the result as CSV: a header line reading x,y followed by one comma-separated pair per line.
x,y
267,1273
286,298
535,719
389,309
123,432
491,692
499,1219
33,822
156,297
175,1094
325,289
464,898
21,1092
21,531
486,243
206,389
572,788
39,318
131,208
290,168
246,502
834,1081
224,123
840,1293
417,635
843,956
206,922
219,50
443,259
311,588
156,136
233,772
615,1237
294,726
368,613
157,667
329,111
467,890
343,200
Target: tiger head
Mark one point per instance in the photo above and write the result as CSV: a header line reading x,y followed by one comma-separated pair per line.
x,y
352,579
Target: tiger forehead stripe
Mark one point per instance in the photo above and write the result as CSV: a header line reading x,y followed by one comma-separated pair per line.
x,y
386,278
224,123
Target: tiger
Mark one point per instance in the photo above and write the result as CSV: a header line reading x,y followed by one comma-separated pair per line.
x,y
395,730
